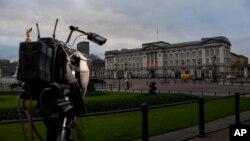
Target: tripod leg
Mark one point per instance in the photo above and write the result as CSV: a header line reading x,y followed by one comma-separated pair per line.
x,y
63,134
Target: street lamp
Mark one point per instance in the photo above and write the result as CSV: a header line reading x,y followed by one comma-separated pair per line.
x,y
199,68
115,71
214,76
117,76
183,67
125,72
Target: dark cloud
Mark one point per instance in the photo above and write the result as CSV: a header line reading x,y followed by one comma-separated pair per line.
x,y
127,23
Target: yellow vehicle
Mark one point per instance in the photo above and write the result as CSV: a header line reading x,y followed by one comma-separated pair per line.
x,y
185,76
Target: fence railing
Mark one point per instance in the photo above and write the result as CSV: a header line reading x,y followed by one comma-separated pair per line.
x,y
145,109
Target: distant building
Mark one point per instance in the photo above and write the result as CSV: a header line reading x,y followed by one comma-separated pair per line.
x,y
239,65
203,58
2,62
7,68
83,47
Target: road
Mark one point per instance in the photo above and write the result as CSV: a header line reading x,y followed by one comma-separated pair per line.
x,y
192,87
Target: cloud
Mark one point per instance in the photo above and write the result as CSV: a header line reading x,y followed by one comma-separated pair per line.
x,y
126,23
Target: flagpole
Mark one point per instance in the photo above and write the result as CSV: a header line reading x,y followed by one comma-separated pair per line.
x,y
157,35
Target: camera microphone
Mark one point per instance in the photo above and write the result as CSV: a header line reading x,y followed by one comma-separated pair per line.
x,y
98,39
73,27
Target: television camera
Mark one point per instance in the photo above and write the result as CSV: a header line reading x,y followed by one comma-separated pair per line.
x,y
57,77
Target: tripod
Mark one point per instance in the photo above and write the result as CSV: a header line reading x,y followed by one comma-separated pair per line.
x,y
59,113
58,109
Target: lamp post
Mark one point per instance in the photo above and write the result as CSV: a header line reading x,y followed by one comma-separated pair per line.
x,y
214,76
117,76
183,74
154,74
125,72
183,66
114,71
199,68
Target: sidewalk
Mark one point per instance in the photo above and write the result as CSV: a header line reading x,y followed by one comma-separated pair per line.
x,y
216,130
222,135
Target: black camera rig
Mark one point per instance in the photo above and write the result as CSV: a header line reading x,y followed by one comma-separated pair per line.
x,y
46,66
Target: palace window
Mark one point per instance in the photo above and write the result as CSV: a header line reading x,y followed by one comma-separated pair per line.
x,y
171,63
194,62
217,52
207,61
199,53
207,52
177,55
188,62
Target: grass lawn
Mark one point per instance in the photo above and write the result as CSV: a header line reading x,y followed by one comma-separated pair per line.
x,y
127,126
7,101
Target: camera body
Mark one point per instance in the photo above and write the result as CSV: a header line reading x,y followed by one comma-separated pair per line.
x,y
42,62
42,69
41,65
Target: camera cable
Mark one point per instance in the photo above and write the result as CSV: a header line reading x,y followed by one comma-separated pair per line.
x,y
32,125
21,118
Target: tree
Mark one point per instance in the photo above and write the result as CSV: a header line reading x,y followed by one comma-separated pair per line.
x,y
152,88
97,64
94,57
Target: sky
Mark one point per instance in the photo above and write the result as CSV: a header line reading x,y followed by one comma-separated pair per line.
x,y
125,23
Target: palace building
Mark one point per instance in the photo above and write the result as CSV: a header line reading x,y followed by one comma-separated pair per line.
x,y
207,57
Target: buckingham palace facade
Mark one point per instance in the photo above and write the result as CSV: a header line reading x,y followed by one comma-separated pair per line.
x,y
203,58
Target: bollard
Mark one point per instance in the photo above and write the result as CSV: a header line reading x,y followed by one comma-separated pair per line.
x,y
144,109
201,117
110,87
237,108
141,91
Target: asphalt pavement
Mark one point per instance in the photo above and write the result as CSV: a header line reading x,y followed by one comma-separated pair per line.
x,y
191,87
